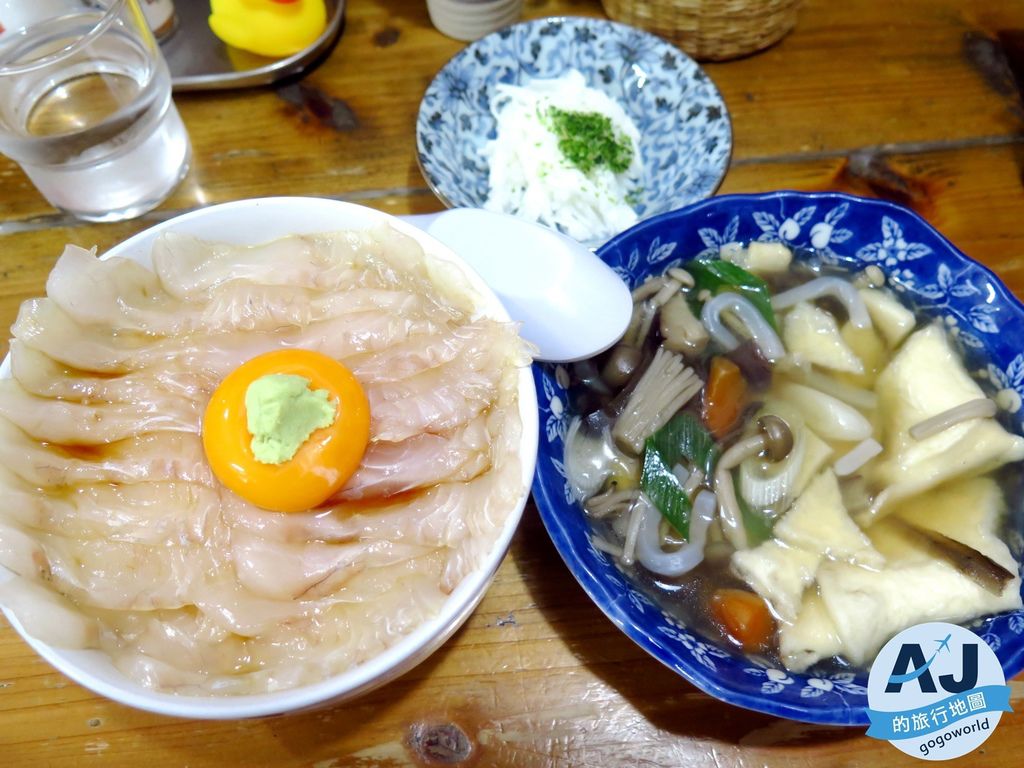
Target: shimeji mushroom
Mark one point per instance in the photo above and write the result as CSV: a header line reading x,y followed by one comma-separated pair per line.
x,y
621,365
980,408
654,296
774,441
681,329
627,355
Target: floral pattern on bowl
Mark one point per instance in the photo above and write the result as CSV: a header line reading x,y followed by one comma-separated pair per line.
x,y
686,134
985,319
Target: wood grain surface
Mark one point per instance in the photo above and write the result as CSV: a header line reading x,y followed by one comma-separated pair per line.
x,y
910,100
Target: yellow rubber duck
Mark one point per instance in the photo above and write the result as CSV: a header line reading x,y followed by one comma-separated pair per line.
x,y
272,28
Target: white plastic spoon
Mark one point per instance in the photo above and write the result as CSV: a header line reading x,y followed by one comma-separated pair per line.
x,y
570,303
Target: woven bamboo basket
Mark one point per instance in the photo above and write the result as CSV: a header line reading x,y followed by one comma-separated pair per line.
x,y
710,30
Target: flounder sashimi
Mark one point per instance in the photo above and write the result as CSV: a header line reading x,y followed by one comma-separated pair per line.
x,y
111,502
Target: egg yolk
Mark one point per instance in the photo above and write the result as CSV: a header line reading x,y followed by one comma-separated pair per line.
x,y
320,466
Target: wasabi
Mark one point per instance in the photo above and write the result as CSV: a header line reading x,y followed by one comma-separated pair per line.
x,y
282,411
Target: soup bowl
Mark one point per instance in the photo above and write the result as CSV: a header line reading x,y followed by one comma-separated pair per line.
x,y
252,222
982,315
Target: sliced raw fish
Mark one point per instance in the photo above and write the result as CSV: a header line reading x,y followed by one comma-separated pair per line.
x,y
226,603
153,456
292,571
441,398
428,517
189,268
41,375
215,356
127,576
124,295
117,293
421,461
48,616
420,353
68,423
143,513
22,554
42,325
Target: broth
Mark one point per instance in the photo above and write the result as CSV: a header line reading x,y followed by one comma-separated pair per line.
x,y
829,514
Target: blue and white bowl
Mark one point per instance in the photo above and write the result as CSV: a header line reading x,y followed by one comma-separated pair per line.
x,y
686,135
981,314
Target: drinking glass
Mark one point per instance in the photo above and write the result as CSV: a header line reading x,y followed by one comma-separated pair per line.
x,y
86,109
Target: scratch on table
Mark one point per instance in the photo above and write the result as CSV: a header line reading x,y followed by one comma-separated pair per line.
x,y
717,757
233,154
490,736
6,683
523,729
390,754
358,170
572,712
782,732
96,747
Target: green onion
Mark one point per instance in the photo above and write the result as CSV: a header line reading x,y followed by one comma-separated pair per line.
x,y
682,438
759,524
588,140
664,490
717,276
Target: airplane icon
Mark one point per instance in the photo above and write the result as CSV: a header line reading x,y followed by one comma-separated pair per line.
x,y
916,673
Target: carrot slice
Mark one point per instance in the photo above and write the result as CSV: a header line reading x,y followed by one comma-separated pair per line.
x,y
725,396
744,616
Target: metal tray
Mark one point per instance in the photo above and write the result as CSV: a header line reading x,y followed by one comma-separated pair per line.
x,y
200,61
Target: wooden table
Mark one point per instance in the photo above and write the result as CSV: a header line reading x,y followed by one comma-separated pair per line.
x,y
908,100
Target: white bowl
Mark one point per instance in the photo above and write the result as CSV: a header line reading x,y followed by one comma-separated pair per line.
x,y
252,222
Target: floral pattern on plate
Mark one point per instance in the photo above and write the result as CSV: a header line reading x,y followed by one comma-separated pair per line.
x,y
981,314
684,124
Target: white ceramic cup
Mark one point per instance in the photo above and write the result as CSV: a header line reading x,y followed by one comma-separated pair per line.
x,y
472,19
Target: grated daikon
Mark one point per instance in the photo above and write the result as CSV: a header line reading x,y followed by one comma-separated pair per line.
x,y
532,177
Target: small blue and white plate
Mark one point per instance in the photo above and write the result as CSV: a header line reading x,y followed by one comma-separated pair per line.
x,y
981,314
686,135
